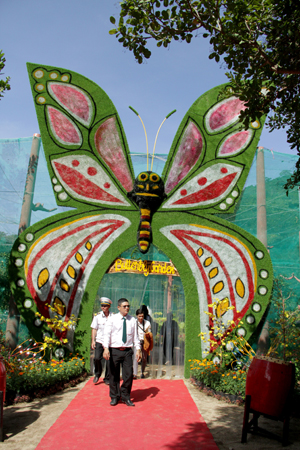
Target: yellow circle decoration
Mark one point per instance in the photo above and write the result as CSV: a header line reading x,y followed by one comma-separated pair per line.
x,y
240,288
38,74
200,252
41,100
43,277
143,176
39,87
154,177
255,124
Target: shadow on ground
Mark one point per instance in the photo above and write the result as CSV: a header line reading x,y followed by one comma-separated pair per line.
x,y
139,395
225,422
17,421
195,438
17,418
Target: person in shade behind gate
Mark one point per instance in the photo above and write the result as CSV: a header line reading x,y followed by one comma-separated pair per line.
x,y
97,326
170,333
143,327
120,334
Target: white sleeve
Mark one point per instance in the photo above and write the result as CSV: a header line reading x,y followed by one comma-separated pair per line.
x,y
136,340
107,332
94,324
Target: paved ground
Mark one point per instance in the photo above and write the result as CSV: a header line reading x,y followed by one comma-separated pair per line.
x,y
26,423
225,423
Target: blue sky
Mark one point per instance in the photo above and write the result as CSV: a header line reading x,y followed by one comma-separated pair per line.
x,y
74,35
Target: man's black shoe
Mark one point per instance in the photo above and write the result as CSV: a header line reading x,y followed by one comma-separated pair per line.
x,y
114,401
96,379
106,382
128,402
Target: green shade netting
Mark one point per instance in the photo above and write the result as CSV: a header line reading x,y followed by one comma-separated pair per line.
x,y
282,223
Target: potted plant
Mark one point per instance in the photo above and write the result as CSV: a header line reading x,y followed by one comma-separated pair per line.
x,y
271,377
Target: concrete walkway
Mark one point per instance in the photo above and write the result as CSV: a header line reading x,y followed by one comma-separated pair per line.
x,y
225,424
26,423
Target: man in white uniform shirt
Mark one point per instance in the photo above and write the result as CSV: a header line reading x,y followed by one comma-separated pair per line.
x,y
97,326
120,334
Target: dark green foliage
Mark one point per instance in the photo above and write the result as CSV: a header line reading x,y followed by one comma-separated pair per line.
x,y
258,41
4,84
6,243
284,323
222,379
43,374
4,281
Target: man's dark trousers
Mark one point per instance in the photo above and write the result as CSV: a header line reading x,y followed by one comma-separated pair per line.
x,y
121,358
99,362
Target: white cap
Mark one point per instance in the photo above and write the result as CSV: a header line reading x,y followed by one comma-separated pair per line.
x,y
105,301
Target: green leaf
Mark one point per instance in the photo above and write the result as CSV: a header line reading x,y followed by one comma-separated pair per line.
x,y
147,53
256,39
113,31
112,19
165,14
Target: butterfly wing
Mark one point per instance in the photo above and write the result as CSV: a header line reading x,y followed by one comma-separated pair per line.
x,y
207,167
83,138
216,259
54,261
211,155
50,266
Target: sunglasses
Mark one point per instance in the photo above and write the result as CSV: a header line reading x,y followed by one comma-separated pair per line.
x,y
126,306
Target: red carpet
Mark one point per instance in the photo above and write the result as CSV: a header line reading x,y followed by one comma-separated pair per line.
x,y
164,417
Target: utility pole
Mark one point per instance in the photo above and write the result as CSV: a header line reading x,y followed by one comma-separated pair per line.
x,y
264,338
261,197
30,183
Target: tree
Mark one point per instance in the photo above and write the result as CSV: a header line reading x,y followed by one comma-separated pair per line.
x,y
4,281
257,39
4,84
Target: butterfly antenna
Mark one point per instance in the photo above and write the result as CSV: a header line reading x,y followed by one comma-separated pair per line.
x,y
135,112
172,112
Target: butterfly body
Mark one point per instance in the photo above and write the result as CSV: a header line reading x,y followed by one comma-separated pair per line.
x,y
62,259
148,194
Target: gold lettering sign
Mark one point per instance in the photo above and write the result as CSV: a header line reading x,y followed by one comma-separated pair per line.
x,y
123,265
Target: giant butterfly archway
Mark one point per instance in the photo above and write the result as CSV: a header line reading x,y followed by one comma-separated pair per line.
x,y
61,260
151,280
